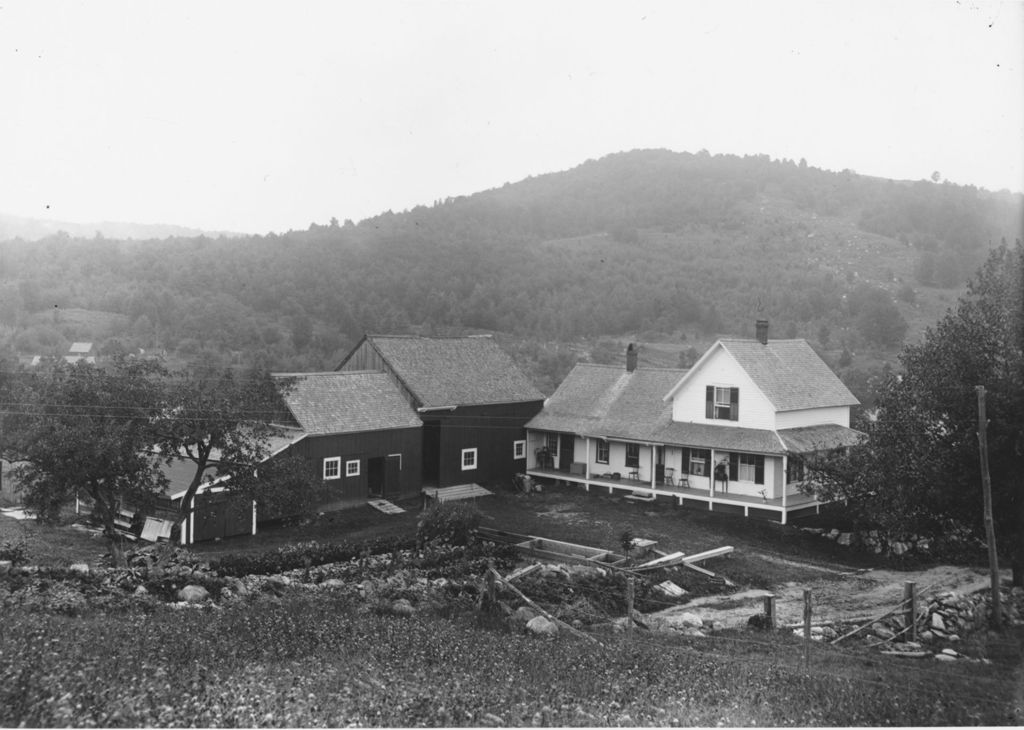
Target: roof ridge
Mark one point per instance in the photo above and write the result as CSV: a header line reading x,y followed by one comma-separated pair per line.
x,y
327,372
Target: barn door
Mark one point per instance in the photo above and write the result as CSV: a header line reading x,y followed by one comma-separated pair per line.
x,y
392,475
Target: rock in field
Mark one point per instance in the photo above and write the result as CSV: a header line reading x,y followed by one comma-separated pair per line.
x,y
541,626
402,607
193,594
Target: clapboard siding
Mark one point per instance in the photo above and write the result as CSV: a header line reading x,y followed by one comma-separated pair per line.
x,y
493,431
364,446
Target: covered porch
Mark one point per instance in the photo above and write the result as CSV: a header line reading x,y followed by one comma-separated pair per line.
x,y
647,472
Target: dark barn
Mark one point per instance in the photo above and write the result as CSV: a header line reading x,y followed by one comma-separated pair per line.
x,y
472,398
361,434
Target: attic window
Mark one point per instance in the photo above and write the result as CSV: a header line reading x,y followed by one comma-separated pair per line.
x,y
722,403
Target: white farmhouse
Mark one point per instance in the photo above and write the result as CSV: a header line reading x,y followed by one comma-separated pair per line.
x,y
728,434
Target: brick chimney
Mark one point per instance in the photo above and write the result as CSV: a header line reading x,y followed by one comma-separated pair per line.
x,y
761,327
631,353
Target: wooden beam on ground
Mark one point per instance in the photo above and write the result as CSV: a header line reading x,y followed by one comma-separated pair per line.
x,y
541,611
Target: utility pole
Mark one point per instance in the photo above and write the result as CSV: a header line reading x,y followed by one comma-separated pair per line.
x,y
990,529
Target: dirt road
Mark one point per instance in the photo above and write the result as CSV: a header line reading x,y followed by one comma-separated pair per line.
x,y
836,595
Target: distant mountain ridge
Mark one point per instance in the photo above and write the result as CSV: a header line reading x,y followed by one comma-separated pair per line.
x,y
654,246
33,229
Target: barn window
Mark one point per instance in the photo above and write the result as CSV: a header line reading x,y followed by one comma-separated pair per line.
x,y
352,468
332,468
602,452
518,449
468,459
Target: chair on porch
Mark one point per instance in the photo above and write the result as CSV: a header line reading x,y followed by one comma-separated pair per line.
x,y
683,481
668,479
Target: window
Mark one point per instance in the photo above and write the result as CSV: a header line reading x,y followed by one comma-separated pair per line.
x,y
390,456
518,449
699,459
352,468
633,455
746,473
332,468
746,468
468,459
602,452
794,469
722,403
552,443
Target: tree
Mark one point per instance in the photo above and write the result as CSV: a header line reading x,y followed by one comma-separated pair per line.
x,y
83,428
217,419
918,470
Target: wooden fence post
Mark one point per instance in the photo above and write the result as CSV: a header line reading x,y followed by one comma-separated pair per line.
x,y
629,608
807,626
769,611
492,588
910,609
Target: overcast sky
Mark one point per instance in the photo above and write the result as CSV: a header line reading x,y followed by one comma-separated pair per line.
x,y
256,116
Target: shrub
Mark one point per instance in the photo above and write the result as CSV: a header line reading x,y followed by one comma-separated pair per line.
x,y
453,522
14,550
306,555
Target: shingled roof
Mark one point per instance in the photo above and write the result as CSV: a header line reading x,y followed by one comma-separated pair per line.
x,y
609,402
455,371
789,372
347,402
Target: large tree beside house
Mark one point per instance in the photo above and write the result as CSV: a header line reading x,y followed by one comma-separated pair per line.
x,y
82,431
222,420
919,470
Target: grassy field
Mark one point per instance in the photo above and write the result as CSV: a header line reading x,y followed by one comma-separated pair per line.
x,y
326,661
330,658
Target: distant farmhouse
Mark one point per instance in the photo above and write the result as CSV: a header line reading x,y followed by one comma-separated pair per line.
x,y
729,434
81,351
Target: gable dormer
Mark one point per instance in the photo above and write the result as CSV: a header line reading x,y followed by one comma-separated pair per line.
x,y
719,392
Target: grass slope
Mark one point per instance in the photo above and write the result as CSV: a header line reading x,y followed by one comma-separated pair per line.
x,y
321,661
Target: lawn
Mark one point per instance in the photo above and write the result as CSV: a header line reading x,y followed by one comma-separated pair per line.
x,y
325,661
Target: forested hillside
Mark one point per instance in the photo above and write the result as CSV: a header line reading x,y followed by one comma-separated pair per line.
x,y
666,248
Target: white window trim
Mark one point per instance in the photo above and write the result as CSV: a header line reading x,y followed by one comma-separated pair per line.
x,y
349,470
334,461
466,467
726,404
519,449
607,452
399,460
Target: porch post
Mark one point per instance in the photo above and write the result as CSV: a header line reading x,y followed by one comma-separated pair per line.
x,y
711,479
653,449
586,472
785,485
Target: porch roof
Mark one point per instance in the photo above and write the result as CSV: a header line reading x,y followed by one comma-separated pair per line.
x,y
726,438
815,438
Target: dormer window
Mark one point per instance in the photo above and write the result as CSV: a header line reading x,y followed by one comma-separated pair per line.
x,y
722,403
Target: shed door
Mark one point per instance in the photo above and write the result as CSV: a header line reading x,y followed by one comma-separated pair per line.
x,y
392,475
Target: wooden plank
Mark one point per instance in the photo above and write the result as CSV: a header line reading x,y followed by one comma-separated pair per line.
x,y
662,562
708,554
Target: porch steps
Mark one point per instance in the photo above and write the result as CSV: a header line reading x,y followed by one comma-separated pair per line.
x,y
641,497
385,506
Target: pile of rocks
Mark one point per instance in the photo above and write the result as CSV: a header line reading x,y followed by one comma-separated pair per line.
x,y
875,541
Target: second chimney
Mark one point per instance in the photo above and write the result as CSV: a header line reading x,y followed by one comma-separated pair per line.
x,y
631,353
761,328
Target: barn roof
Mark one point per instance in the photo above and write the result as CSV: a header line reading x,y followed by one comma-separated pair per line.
x,y
455,371
347,402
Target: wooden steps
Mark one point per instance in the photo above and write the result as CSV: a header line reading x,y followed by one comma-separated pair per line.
x,y
385,506
459,491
